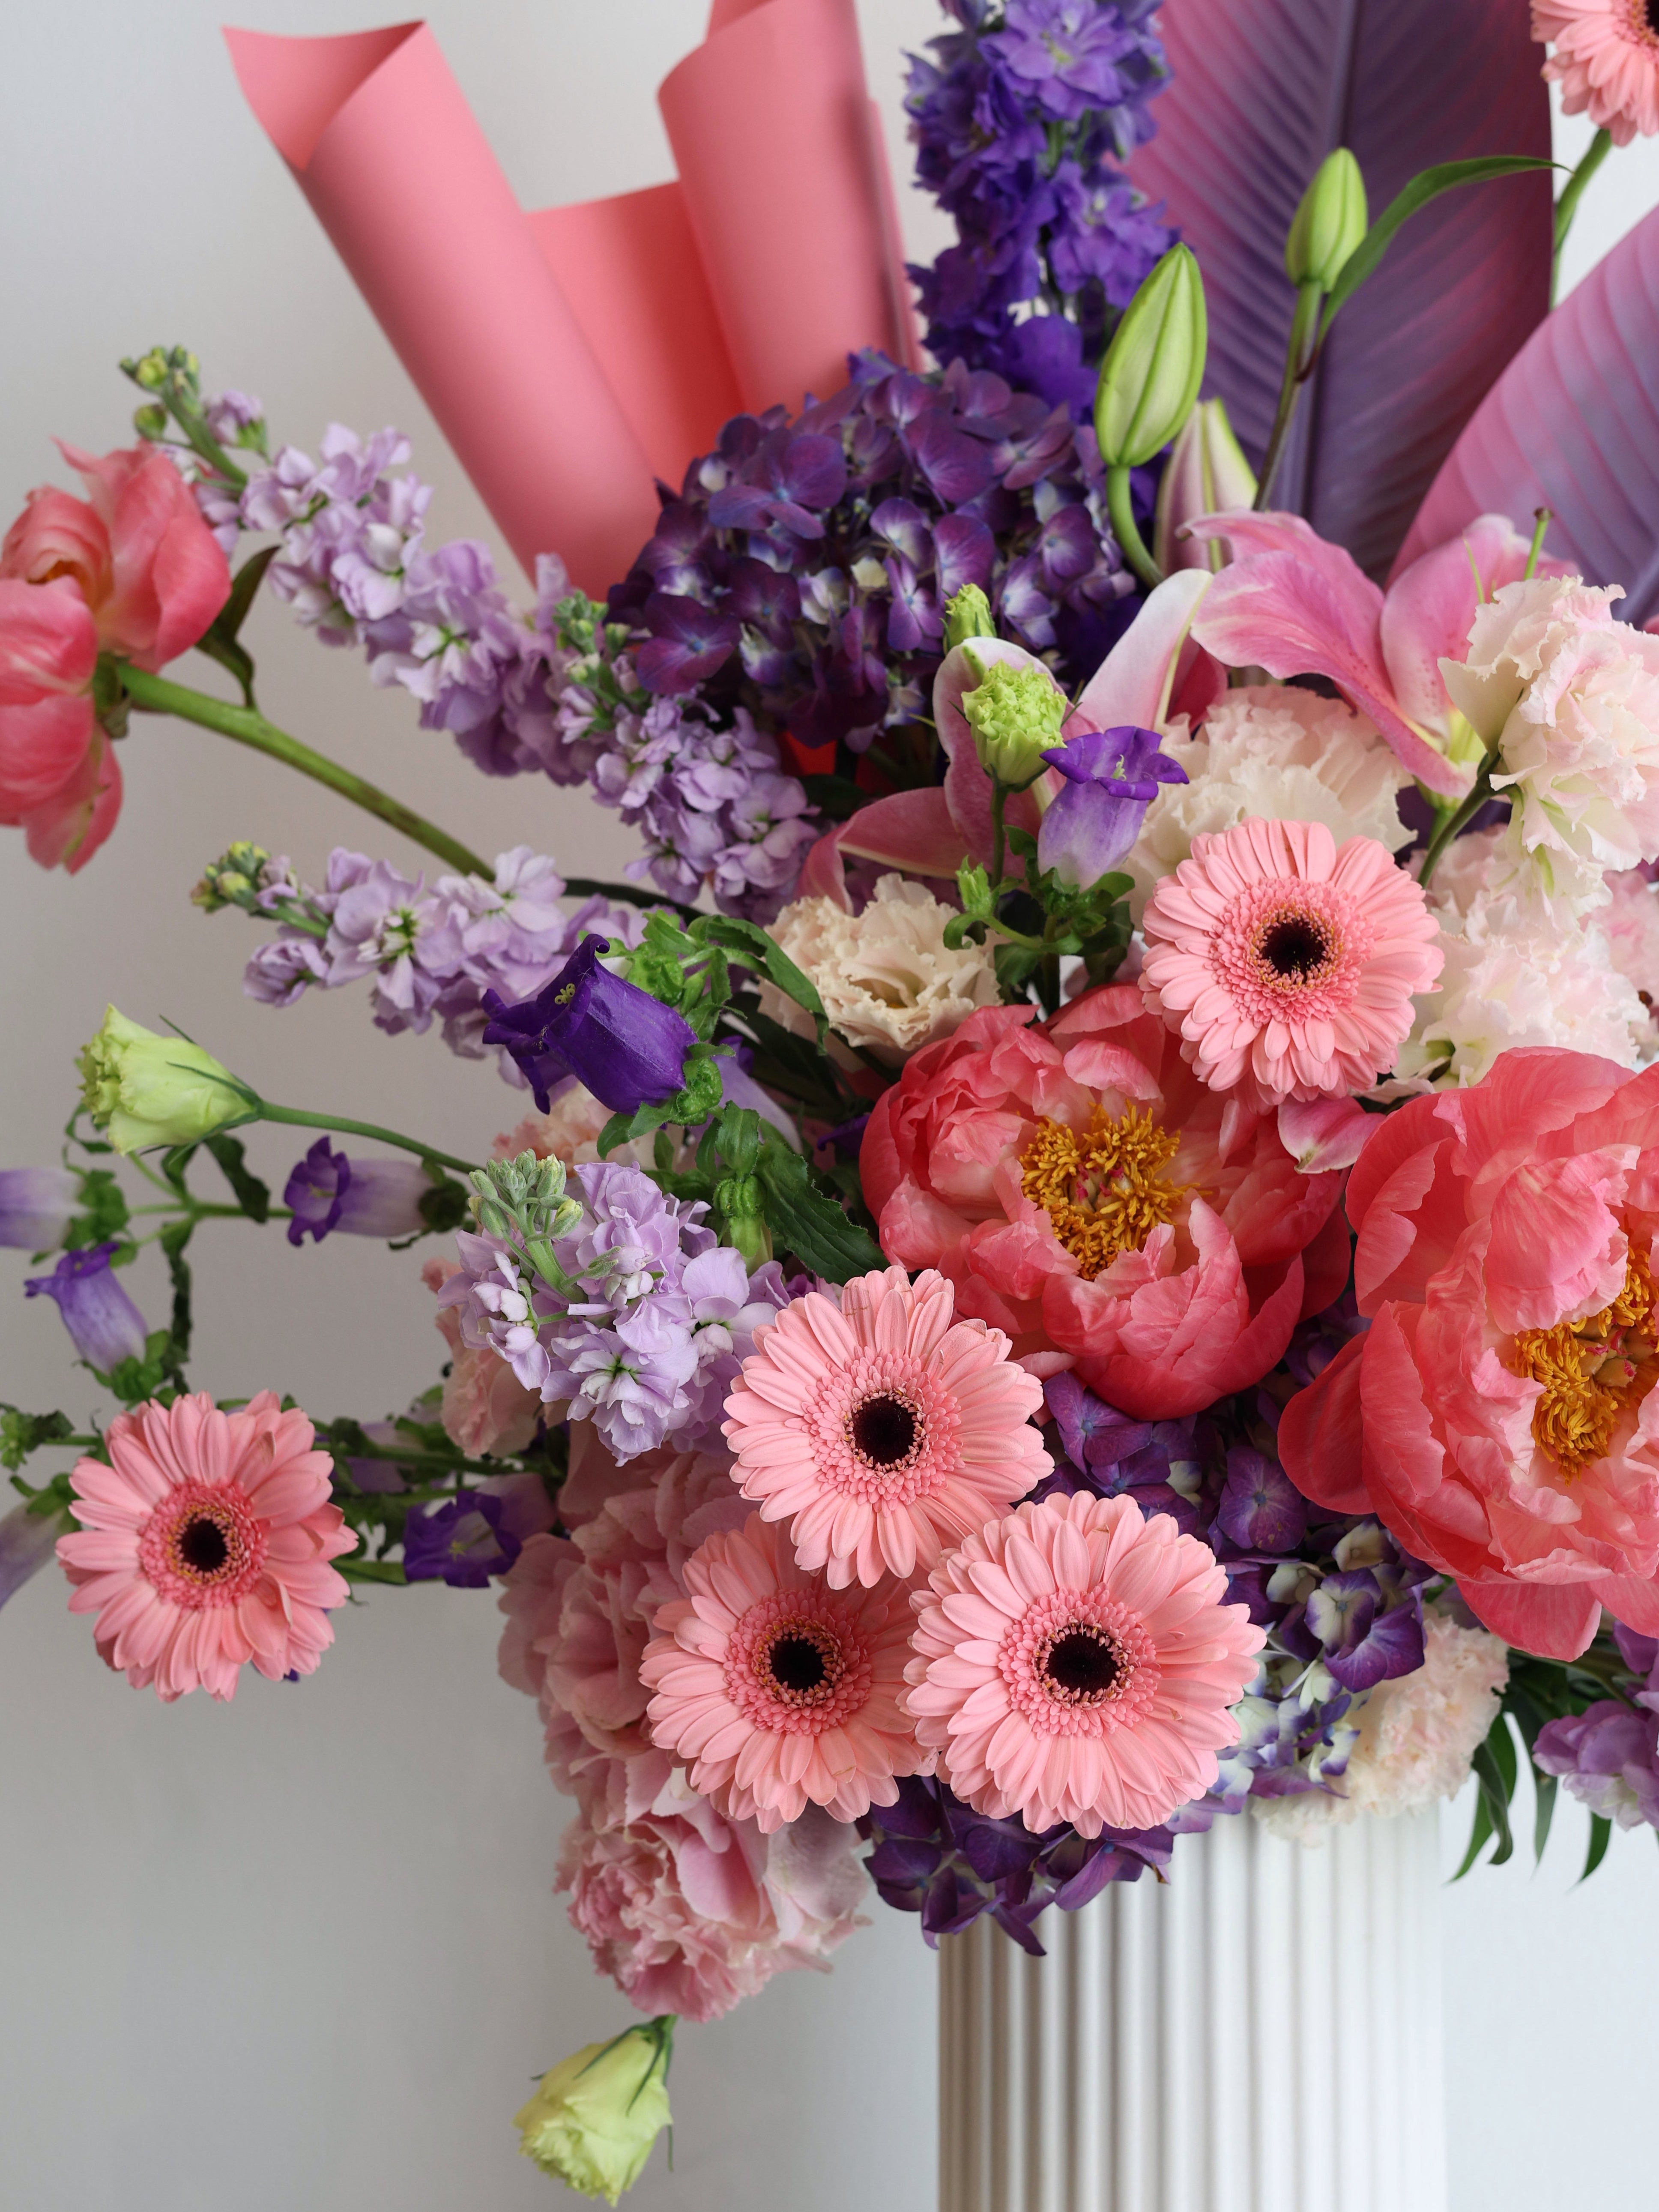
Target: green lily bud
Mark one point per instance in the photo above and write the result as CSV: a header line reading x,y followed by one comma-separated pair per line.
x,y
142,1090
1015,712
1330,224
967,615
595,2119
1155,363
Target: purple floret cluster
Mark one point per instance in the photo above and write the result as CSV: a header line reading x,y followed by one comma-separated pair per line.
x,y
428,952
800,579
1020,120
646,1333
1609,1755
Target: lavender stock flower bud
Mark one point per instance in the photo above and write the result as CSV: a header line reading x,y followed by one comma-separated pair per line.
x,y
105,1325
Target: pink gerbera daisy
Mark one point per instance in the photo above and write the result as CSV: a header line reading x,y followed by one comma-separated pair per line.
x,y
205,1543
1279,955
1076,1663
1605,59
777,1690
883,1430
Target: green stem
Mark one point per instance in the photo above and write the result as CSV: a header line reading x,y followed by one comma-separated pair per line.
x,y
249,727
1460,817
1542,518
1571,192
441,1462
1130,542
1298,360
999,833
338,1125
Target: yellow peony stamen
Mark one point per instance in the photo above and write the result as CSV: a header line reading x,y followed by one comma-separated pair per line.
x,y
1594,1372
1105,1191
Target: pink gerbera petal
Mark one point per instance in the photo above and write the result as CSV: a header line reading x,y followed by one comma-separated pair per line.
x,y
884,1431
207,1569
1284,960
1605,60
793,1696
1090,1706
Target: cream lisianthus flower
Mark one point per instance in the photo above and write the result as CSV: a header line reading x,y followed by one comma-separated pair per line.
x,y
1277,753
886,979
595,2119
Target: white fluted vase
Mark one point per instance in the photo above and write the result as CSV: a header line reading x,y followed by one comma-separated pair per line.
x,y
1260,2033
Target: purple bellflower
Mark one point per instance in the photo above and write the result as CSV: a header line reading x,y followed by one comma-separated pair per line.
x,y
462,1543
105,1325
628,1047
36,1205
1112,776
360,1198
26,1542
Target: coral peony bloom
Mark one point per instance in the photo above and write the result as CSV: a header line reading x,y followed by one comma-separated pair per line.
x,y
205,1543
1500,1413
1287,960
1605,59
1076,1663
778,1691
134,570
883,1430
1087,1194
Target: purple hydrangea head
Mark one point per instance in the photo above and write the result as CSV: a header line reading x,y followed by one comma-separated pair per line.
x,y
105,1325
461,1542
1111,777
627,1048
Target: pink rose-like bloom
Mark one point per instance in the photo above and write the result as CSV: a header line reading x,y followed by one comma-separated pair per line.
x,y
1076,1663
1605,59
778,1691
1088,1196
692,1917
132,570
883,1430
485,1407
1498,1415
1286,961
1629,922
205,1544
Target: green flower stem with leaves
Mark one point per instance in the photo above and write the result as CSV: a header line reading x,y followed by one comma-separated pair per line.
x,y
338,1125
1571,192
159,695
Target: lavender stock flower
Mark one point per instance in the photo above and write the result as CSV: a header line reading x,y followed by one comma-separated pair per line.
x,y
627,1048
1608,1757
36,1207
327,1191
105,1325
1112,776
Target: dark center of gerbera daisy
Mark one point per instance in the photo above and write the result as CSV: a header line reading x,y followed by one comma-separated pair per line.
x,y
203,1546
1082,1666
1294,946
802,1664
884,1431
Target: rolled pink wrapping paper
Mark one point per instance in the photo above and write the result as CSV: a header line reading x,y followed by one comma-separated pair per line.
x,y
571,354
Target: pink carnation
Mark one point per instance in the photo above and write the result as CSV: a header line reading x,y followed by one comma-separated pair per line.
x,y
485,1407
1287,962
205,1543
1076,1663
692,1917
882,1429
1499,1414
778,1690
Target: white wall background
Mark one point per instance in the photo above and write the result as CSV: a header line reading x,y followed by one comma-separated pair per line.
x,y
302,1951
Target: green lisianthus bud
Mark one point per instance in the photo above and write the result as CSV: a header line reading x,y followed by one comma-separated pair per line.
x,y
967,615
1015,712
143,1090
1155,363
1330,224
595,2119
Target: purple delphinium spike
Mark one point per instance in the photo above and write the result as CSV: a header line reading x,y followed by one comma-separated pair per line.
x,y
105,1325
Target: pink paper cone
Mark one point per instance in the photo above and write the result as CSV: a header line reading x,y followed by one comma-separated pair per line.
x,y
394,165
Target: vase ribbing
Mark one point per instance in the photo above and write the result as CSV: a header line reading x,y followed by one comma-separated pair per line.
x,y
1261,2033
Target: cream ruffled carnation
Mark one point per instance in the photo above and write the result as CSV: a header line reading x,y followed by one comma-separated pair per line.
x,y
1517,976
1571,697
886,979
1271,751
1630,923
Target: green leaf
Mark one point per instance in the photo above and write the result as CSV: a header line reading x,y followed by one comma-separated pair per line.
x,y
370,1571
230,617
1478,1836
754,947
1600,1836
627,894
21,1433
1495,1789
784,1061
808,1223
1544,1792
105,1212
251,1195
1428,184
836,796
172,1240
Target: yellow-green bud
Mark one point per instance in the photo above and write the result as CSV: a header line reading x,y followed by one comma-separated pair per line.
x,y
1155,363
1330,224
1015,712
150,421
142,1090
151,371
595,2119
967,615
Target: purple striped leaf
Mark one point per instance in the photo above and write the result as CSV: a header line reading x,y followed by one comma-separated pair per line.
x,y
1573,425
1262,91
